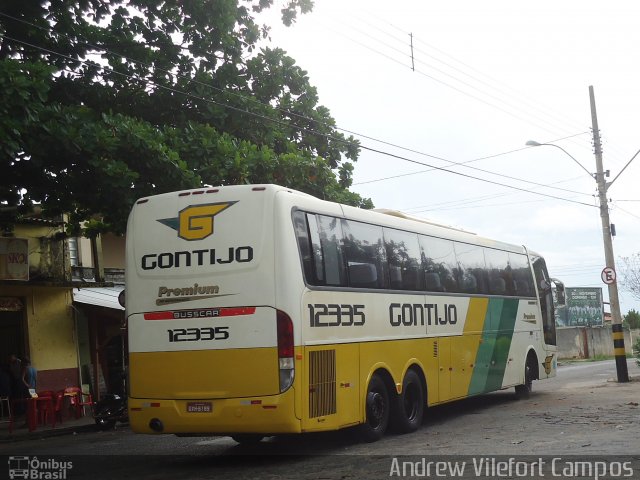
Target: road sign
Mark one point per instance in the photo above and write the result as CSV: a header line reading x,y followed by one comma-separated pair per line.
x,y
608,275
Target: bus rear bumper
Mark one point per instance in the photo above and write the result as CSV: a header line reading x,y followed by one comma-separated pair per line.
x,y
267,415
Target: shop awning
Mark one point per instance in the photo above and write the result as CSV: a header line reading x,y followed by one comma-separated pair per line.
x,y
101,297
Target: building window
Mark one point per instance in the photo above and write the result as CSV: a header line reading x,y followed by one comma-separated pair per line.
x,y
74,259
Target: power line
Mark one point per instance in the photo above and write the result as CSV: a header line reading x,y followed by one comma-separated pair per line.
x,y
263,117
172,89
593,272
307,118
477,178
464,164
185,77
470,200
502,86
442,82
177,75
243,97
575,265
440,71
461,201
466,206
628,213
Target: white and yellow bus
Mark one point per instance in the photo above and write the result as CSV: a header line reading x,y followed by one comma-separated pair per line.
x,y
258,310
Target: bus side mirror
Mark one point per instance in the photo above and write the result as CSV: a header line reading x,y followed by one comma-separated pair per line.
x,y
560,294
561,298
545,286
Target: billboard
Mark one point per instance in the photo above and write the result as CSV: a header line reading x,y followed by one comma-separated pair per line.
x,y
14,258
584,307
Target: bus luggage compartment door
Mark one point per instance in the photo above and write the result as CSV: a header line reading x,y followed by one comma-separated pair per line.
x,y
233,354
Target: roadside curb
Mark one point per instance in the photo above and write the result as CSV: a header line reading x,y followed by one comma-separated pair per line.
x,y
48,433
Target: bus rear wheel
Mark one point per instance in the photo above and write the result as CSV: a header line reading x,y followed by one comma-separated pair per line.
x,y
377,410
409,405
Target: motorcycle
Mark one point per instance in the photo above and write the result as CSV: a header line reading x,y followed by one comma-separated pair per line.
x,y
111,408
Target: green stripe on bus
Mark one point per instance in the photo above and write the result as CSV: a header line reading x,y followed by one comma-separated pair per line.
x,y
504,335
485,351
493,352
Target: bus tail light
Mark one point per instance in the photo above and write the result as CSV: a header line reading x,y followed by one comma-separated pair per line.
x,y
285,350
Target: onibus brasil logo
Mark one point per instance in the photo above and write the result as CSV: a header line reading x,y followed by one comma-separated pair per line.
x,y
195,222
34,468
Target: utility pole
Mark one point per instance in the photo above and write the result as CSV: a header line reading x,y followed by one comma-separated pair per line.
x,y
413,66
618,335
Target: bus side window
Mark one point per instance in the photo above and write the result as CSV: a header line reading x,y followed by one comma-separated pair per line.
x,y
319,239
498,270
364,244
304,244
363,275
318,277
439,264
331,238
473,272
403,256
522,281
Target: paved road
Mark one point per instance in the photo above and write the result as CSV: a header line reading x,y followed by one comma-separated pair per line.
x,y
581,412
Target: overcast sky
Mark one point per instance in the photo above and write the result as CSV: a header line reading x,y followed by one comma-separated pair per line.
x,y
488,77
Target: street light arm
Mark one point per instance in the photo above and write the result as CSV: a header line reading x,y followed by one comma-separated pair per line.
x,y
623,169
533,143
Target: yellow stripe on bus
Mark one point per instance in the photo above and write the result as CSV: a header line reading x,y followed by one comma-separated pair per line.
x,y
464,349
476,315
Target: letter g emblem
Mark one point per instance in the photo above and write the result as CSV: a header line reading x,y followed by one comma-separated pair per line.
x,y
196,222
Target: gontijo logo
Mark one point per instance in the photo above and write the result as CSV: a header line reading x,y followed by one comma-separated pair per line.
x,y
195,222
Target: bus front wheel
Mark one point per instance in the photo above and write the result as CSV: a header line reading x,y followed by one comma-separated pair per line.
x,y
524,391
247,438
409,405
377,410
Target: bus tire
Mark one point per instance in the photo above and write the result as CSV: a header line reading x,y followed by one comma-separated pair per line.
x,y
377,410
524,391
409,405
247,438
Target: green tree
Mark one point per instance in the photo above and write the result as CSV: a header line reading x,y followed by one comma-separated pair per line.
x,y
632,319
630,274
105,102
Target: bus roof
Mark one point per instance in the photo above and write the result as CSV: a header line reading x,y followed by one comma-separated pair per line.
x,y
384,217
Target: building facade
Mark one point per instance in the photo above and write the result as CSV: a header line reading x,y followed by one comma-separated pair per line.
x,y
36,319
69,342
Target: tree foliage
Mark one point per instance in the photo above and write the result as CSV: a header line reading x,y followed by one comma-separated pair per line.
x,y
632,319
630,274
105,102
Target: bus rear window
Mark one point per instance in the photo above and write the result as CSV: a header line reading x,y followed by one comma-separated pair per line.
x,y
319,240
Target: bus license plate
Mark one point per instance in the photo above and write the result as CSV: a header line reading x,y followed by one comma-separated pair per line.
x,y
199,407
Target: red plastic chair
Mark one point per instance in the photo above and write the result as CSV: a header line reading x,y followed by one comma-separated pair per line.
x,y
44,406
57,405
78,399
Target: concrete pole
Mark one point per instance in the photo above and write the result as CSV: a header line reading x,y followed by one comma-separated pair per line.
x,y
616,317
